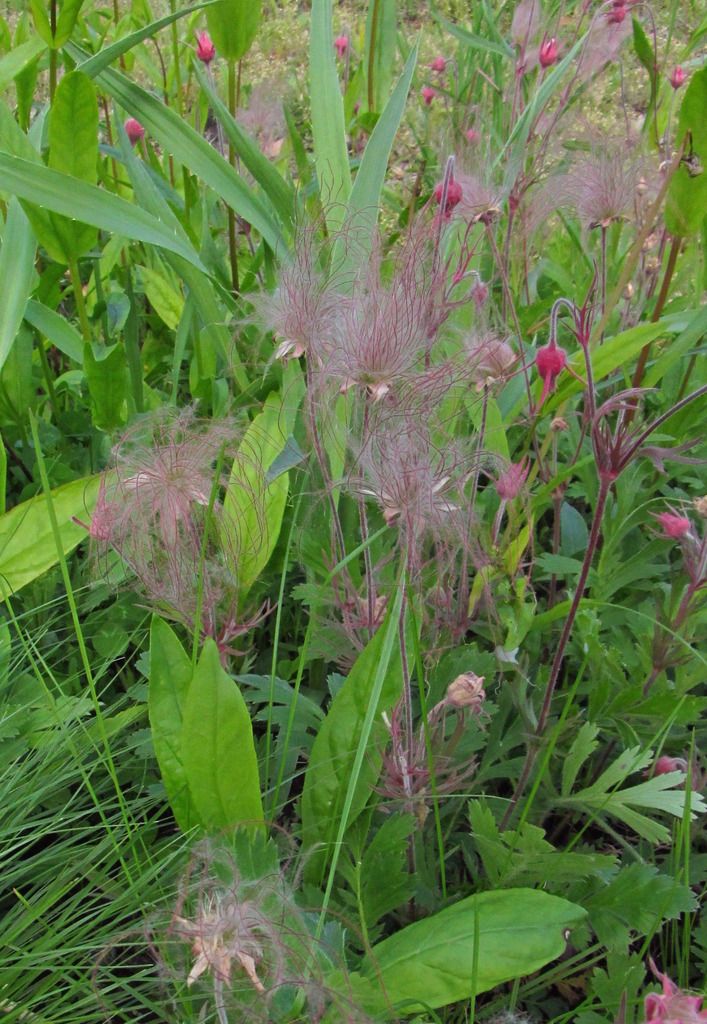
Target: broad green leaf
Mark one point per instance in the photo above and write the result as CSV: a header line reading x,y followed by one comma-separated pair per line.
x,y
354,720
87,203
328,127
164,299
16,273
217,747
18,59
686,202
366,191
56,329
108,384
428,964
189,148
574,533
68,14
233,25
171,673
41,21
380,45
73,150
27,548
278,191
254,507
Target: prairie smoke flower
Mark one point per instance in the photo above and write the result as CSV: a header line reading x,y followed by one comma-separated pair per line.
x,y
678,77
526,22
490,358
205,49
672,1005
428,94
452,198
605,38
480,202
674,526
134,131
511,481
472,135
264,117
156,512
550,361
601,186
438,65
548,52
466,691
617,13
341,44
664,764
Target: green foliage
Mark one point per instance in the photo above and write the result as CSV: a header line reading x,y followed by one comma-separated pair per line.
x,y
686,206
233,25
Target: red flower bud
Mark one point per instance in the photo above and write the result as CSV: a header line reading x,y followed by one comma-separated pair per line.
x,y
678,77
428,94
510,483
341,44
454,196
617,13
550,361
205,49
134,130
549,51
439,65
666,764
472,135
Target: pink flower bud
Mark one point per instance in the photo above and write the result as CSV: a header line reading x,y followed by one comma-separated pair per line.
x,y
428,94
617,13
549,52
438,65
678,77
205,49
510,483
341,44
134,130
666,764
454,196
550,361
472,135
675,526
672,1006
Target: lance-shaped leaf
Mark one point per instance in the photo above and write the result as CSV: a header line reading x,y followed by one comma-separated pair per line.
x,y
16,273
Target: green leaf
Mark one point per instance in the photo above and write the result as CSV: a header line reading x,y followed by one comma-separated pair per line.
x,y
367,187
91,205
189,148
583,746
15,62
171,674
644,52
253,507
166,301
474,42
686,202
56,329
73,150
372,687
16,273
68,14
328,126
385,880
108,385
280,194
233,25
380,61
217,747
429,963
27,548
573,530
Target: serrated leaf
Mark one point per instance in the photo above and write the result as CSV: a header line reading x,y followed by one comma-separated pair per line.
x,y
583,746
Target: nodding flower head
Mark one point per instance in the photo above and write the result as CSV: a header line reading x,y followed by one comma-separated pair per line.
x,y
678,77
205,49
472,135
511,481
672,1005
673,525
617,12
134,131
548,52
453,197
664,764
550,361
428,94
438,65
341,44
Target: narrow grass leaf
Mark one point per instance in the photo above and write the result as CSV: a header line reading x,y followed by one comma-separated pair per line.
x,y
16,273
328,125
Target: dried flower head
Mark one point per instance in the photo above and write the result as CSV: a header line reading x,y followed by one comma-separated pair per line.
x,y
511,481
466,691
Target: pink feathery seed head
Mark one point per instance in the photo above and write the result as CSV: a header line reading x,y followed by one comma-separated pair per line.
x,y
678,77
550,361
438,65
453,198
134,130
472,135
428,94
672,1005
512,480
601,186
548,52
205,49
479,293
674,526
341,44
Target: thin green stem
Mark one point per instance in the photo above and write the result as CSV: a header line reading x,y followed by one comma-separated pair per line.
x,y
79,299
